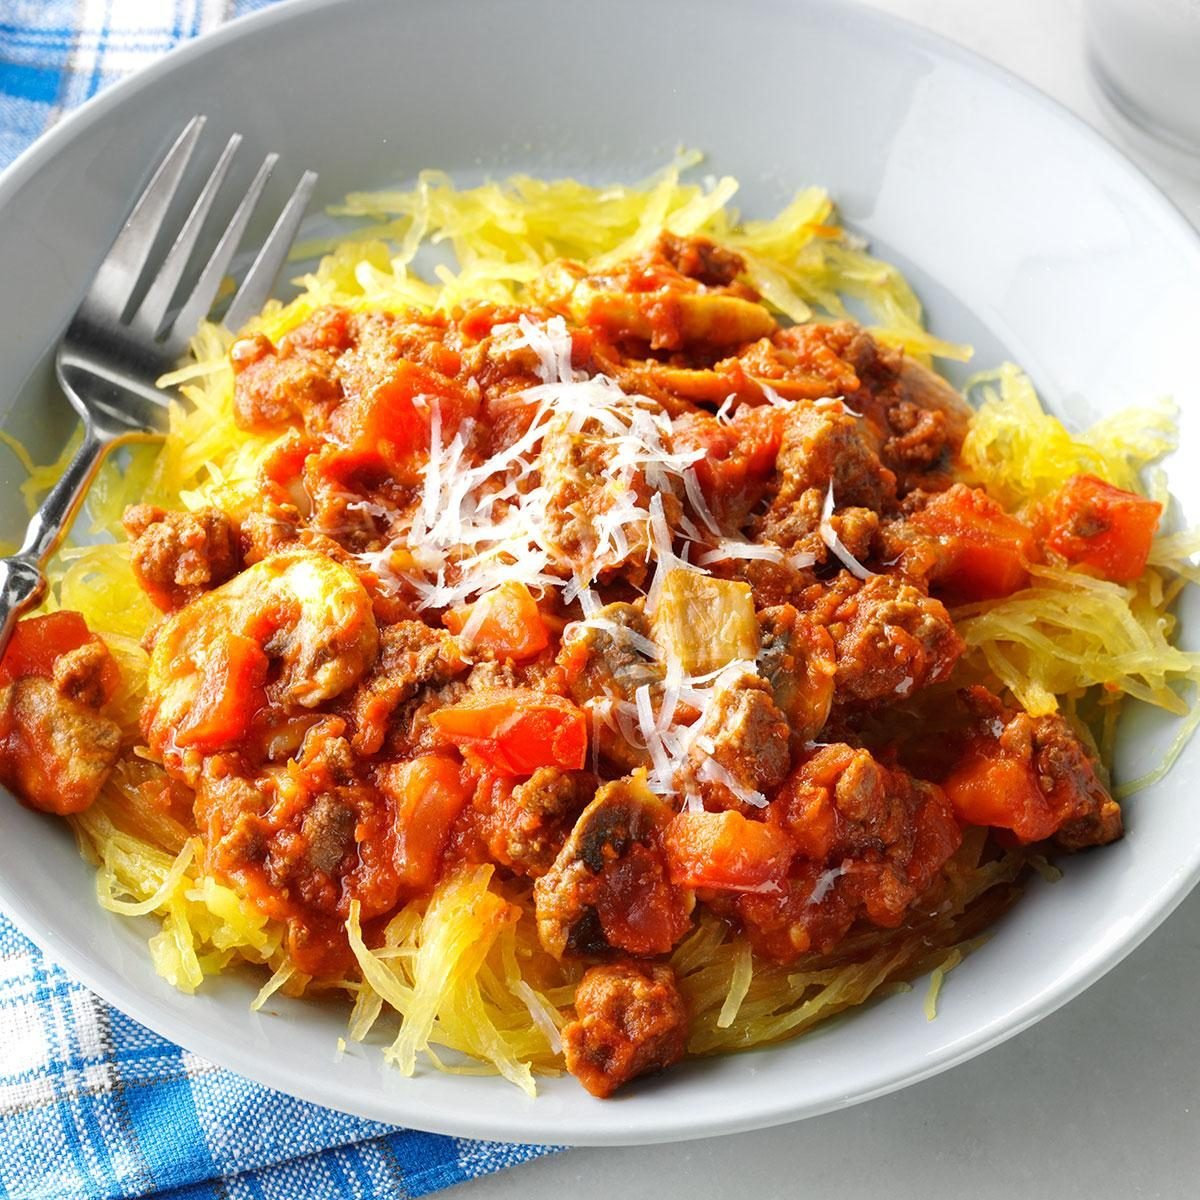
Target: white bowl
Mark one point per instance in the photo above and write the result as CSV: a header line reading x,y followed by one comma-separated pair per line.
x,y
1024,233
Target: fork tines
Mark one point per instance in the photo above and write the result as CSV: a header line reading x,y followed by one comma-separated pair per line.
x,y
117,280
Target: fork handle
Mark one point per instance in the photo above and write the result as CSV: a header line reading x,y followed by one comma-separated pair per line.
x,y
22,581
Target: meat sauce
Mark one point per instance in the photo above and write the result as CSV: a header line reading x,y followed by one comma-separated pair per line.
x,y
632,659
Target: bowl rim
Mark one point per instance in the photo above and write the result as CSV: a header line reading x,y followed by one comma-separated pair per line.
x,y
507,1123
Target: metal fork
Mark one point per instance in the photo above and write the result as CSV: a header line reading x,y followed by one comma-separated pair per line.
x,y
113,350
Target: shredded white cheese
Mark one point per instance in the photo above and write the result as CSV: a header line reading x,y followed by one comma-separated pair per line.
x,y
589,602
473,623
712,772
731,548
552,344
370,508
621,634
691,487
836,403
662,547
830,538
482,522
671,744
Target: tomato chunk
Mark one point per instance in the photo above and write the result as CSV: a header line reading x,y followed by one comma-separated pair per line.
x,y
506,621
516,730
1097,525
230,693
37,641
391,425
739,457
1003,793
983,550
428,793
726,850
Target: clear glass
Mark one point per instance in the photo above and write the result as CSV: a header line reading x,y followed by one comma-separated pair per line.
x,y
1146,58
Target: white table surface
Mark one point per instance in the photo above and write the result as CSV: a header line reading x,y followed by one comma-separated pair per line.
x,y
1100,1100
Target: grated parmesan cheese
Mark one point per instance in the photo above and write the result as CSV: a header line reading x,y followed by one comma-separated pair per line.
x,y
691,487
670,744
473,624
830,538
619,633
711,771
552,344
662,547
773,398
481,523
589,602
739,548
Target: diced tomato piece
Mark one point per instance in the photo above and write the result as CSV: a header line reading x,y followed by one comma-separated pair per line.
x,y
37,641
739,457
516,730
428,793
984,550
1107,528
230,693
391,425
506,621
759,432
726,850
1001,792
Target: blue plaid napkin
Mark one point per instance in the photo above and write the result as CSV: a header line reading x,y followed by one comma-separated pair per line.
x,y
92,1105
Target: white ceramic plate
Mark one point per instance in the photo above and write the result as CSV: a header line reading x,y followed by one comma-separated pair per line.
x,y
1024,232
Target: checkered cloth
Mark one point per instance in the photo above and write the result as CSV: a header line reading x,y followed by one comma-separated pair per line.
x,y
94,1105
91,1104
55,54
